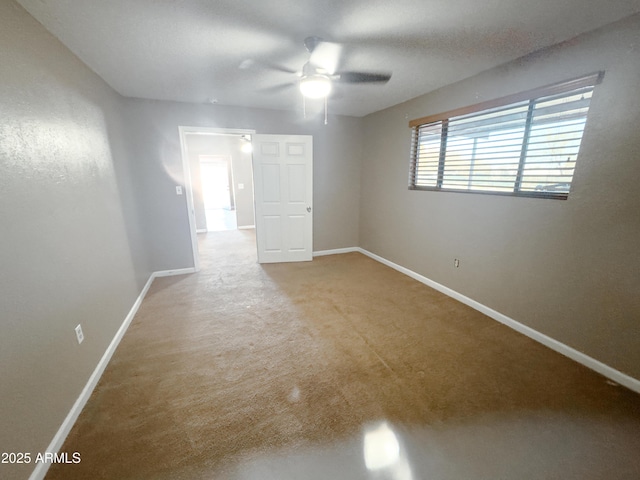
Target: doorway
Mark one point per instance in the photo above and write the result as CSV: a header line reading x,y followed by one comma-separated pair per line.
x,y
218,175
284,173
218,195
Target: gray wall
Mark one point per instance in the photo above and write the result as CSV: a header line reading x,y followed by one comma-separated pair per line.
x,y
70,248
88,210
230,146
569,269
154,131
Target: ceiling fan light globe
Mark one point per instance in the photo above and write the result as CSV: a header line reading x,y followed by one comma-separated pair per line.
x,y
315,86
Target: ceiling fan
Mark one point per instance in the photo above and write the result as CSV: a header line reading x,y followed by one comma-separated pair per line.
x,y
320,72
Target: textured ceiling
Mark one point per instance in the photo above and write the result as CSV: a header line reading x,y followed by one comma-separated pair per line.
x,y
190,50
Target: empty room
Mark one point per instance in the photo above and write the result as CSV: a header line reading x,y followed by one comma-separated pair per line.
x,y
319,240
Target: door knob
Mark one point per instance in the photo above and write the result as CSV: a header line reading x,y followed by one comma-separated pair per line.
x,y
309,209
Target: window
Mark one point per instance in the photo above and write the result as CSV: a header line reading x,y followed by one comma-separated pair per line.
x,y
525,144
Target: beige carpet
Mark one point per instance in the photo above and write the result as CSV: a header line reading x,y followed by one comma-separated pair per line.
x,y
283,371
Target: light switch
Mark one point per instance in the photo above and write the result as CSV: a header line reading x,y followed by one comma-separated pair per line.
x,y
178,190
241,186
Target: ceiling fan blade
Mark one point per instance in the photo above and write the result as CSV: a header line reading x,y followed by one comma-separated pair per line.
x,y
325,55
251,64
363,77
276,88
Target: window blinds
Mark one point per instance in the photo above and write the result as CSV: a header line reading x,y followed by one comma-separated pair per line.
x,y
526,144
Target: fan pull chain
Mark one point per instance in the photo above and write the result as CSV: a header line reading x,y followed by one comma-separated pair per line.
x,y
325,110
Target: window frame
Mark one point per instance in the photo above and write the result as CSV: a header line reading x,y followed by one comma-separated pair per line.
x,y
530,96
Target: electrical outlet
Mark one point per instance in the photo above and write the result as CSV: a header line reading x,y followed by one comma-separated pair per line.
x,y
79,334
456,262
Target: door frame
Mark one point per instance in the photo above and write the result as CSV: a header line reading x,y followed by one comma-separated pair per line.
x,y
183,131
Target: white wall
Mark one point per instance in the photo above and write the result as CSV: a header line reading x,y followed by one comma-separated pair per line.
x,y
569,269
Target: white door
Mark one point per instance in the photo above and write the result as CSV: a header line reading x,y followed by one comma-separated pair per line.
x,y
283,184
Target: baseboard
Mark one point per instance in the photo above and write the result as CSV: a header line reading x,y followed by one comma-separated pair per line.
x,y
589,362
170,273
41,468
247,227
336,251
621,378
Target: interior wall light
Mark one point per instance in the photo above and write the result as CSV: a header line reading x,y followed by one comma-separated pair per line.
x,y
246,146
